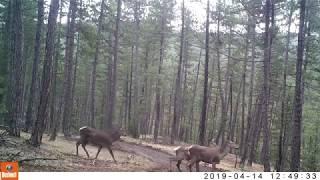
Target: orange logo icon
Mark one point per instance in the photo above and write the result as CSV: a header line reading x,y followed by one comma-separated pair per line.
x,y
9,171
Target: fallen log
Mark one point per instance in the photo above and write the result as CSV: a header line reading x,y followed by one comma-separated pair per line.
x,y
35,159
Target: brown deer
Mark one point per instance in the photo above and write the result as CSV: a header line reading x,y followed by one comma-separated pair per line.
x,y
98,138
212,155
182,153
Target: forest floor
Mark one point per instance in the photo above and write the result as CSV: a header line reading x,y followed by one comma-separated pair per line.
x,y
131,155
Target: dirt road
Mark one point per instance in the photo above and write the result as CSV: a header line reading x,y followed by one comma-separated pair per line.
x,y
129,156
155,155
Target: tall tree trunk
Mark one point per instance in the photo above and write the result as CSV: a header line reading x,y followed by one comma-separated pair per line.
x,y
113,83
9,28
194,93
16,85
235,114
146,94
250,97
255,132
214,115
202,125
266,86
158,85
67,83
94,69
74,79
184,101
126,103
109,81
170,109
5,67
307,48
54,117
283,116
228,78
298,102
210,97
162,110
137,85
36,60
130,93
244,74
228,74
177,94
230,103
38,127
224,112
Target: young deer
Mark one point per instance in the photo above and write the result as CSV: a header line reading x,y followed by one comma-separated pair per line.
x,y
98,138
182,153
210,155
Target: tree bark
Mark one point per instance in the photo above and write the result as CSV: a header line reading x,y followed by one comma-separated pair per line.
x,y
298,102
177,94
283,115
126,103
54,117
137,85
255,130
146,93
202,125
158,85
67,84
184,101
235,114
36,61
194,93
15,108
94,69
266,86
250,98
224,112
130,93
244,74
109,76
38,127
113,81
74,79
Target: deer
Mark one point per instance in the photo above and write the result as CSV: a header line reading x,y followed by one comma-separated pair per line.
x,y
212,155
98,138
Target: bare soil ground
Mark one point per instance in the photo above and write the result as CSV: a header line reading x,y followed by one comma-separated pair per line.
x,y
131,155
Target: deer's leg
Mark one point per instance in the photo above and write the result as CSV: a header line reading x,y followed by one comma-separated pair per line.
x,y
197,166
99,149
84,148
213,166
178,165
110,150
77,147
190,164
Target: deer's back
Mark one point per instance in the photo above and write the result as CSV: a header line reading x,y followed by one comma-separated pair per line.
x,y
97,137
205,154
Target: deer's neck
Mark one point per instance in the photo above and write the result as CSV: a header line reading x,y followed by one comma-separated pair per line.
x,y
115,136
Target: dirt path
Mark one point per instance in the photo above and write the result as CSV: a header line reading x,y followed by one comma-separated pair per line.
x,y
129,156
155,155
